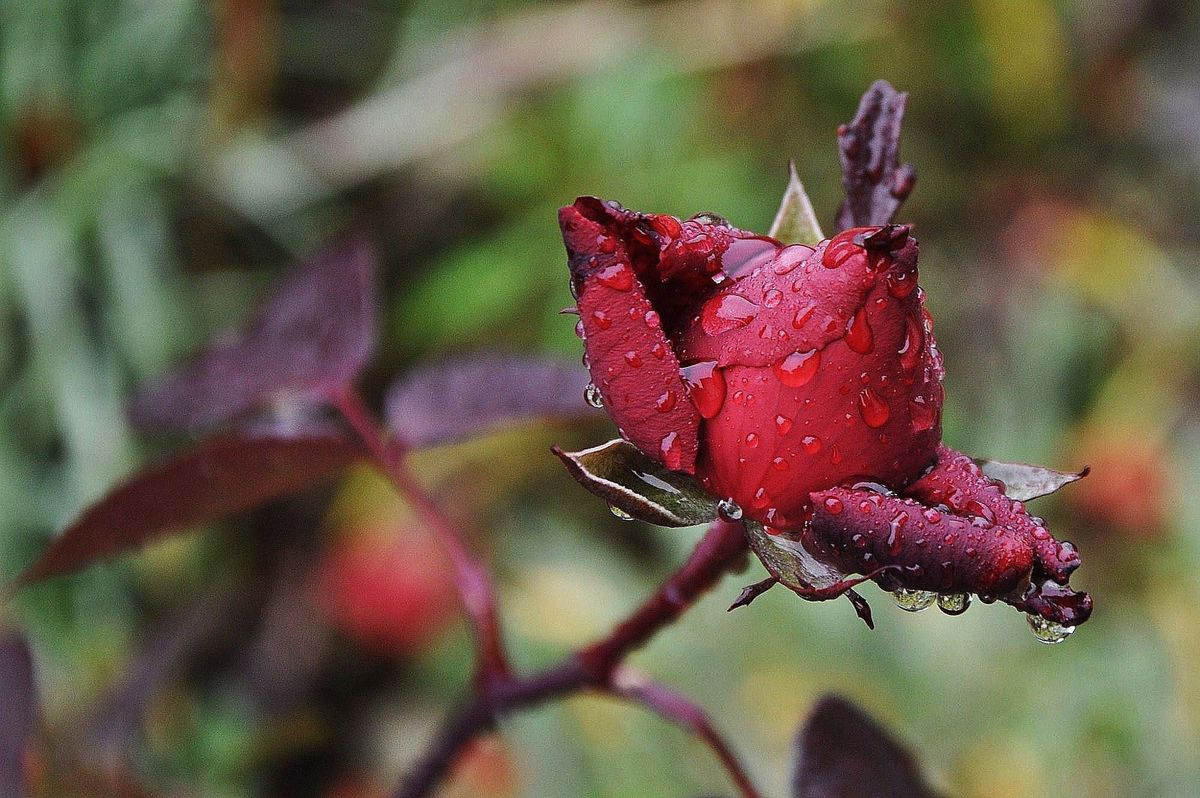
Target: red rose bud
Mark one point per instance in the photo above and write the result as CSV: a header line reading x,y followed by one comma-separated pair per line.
x,y
777,375
767,371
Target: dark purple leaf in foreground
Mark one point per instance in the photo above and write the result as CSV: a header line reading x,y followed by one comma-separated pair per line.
x,y
842,753
313,335
455,399
222,477
869,148
18,706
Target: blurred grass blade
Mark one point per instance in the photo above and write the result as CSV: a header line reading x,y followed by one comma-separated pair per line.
x,y
18,708
221,477
628,480
795,222
1025,482
455,399
312,336
842,753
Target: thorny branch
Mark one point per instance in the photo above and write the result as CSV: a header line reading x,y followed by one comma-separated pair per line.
x,y
595,668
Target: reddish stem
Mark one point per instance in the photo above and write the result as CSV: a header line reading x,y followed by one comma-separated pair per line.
x,y
594,668
683,712
471,578
721,547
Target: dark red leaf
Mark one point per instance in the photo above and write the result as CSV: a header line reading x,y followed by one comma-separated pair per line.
x,y
18,707
443,402
223,476
869,148
842,753
312,336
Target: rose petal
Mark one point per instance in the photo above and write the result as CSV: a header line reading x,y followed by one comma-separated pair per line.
x,y
820,417
957,482
796,303
636,370
859,530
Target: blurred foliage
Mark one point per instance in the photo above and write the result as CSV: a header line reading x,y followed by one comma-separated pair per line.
x,y
162,161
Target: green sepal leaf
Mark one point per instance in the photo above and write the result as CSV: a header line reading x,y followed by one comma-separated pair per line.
x,y
628,480
789,562
795,222
1024,482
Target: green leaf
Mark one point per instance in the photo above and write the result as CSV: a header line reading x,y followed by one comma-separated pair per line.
x,y
629,481
788,561
795,222
1024,482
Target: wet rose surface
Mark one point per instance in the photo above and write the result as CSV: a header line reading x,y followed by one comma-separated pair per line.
x,y
803,384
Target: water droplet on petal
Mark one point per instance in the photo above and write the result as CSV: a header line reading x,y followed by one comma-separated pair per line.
x,y
931,515
706,387
751,440
954,603
913,600
910,350
618,276
798,368
895,541
619,513
729,510
921,414
1047,631
858,333
804,314
780,464
900,283
811,444
659,351
981,510
833,505
591,395
761,498
837,253
602,320
727,312
666,403
783,425
652,319
874,410
835,455
633,359
790,257
671,450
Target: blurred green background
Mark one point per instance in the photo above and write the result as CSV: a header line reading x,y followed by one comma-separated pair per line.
x,y
162,162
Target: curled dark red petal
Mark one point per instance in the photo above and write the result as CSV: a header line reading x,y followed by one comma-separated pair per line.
x,y
957,483
953,531
636,370
857,531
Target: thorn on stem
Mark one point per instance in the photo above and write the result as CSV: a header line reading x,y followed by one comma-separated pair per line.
x,y
751,592
861,607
